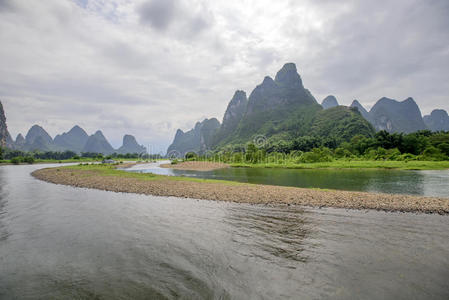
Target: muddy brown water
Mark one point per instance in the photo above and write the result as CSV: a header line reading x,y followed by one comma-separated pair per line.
x,y
60,242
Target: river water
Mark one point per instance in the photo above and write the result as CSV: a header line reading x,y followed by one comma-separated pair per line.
x,y
425,183
59,242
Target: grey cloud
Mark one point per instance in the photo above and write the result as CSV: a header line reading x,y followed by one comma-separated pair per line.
x,y
158,13
376,48
181,18
161,65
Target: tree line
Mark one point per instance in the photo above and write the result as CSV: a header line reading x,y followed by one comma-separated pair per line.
x,y
18,156
421,145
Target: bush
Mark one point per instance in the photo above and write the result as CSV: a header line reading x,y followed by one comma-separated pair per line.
x,y
444,148
191,156
16,160
76,157
393,154
316,155
432,153
406,157
29,160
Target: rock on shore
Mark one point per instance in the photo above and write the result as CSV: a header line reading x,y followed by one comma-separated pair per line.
x,y
239,192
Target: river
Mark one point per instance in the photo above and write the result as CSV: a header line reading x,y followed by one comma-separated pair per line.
x,y
432,183
62,242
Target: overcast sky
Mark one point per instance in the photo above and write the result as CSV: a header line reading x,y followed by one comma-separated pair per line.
x,y
149,67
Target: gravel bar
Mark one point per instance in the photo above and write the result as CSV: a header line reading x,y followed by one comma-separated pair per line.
x,y
242,192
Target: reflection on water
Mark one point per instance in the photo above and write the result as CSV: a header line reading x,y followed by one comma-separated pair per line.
x,y
426,183
63,242
274,233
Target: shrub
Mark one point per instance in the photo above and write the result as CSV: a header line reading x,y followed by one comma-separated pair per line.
x,y
76,157
29,160
432,153
393,154
444,148
16,160
316,155
237,157
191,156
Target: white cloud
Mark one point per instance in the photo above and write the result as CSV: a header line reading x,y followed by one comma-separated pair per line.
x,y
147,68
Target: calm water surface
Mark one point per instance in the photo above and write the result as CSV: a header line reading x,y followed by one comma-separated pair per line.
x,y
426,183
59,242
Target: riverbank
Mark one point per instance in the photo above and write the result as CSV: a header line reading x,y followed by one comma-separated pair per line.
x,y
110,179
354,164
196,165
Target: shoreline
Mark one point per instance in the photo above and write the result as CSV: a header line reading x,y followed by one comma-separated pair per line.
x,y
108,178
355,164
196,166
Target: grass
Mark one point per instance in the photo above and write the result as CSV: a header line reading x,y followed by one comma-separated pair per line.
x,y
355,164
71,160
111,170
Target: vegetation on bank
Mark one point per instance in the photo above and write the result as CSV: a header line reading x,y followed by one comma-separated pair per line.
x,y
111,170
19,157
107,178
361,164
419,150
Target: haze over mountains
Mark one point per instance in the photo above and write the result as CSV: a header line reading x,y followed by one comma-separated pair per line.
x,y
282,109
76,139
277,109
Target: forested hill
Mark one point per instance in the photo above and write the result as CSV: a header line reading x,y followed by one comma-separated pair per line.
x,y
278,110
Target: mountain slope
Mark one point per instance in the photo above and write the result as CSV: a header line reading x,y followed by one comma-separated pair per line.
x,y
393,116
279,109
341,122
273,104
97,143
361,109
198,139
73,140
3,128
437,120
38,139
20,141
130,145
234,113
329,102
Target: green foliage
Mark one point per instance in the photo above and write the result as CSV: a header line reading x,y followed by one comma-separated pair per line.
x,y
316,155
16,160
28,160
341,123
191,156
444,148
383,146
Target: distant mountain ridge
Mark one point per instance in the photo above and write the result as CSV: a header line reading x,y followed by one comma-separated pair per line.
x,y
283,109
277,109
329,102
394,116
198,139
437,120
130,145
76,140
361,109
5,137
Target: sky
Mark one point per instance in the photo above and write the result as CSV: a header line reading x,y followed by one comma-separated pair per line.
x,y
150,67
